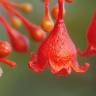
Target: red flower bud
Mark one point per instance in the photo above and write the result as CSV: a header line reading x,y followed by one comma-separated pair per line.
x,y
5,49
35,31
47,22
25,7
19,42
15,22
91,40
58,51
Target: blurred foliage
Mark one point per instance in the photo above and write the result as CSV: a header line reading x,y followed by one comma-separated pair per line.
x,y
22,82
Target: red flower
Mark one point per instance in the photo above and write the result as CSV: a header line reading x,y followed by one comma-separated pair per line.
x,y
91,40
58,51
19,42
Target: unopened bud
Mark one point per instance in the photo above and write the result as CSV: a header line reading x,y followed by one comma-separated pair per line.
x,y
47,24
5,49
16,22
27,7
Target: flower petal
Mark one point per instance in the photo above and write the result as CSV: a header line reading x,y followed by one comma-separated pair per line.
x,y
37,66
80,69
60,69
90,51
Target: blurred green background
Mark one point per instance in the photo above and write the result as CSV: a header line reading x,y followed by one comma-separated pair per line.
x,y
23,82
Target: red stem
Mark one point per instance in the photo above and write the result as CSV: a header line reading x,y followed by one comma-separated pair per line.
x,y
61,9
47,8
5,24
8,62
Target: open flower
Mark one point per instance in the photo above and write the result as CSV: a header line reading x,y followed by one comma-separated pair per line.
x,y
58,51
91,40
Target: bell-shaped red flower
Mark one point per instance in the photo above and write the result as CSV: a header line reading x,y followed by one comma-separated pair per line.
x,y
19,42
91,40
58,51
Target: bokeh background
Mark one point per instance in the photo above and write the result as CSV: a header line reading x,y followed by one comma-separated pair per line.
x,y
23,82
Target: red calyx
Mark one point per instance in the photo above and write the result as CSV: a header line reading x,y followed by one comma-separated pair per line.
x,y
58,51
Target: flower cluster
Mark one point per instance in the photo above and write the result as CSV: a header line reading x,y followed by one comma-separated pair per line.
x,y
57,51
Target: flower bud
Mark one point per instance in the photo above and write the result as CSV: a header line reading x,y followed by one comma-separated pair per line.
x,y
26,7
18,41
47,24
5,49
16,22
